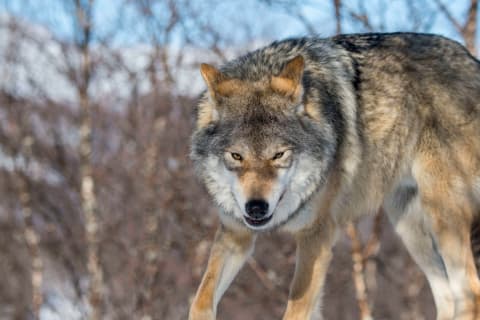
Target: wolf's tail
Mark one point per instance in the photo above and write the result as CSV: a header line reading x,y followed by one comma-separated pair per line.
x,y
475,242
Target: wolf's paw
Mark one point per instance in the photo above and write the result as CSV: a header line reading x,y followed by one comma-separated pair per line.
x,y
195,314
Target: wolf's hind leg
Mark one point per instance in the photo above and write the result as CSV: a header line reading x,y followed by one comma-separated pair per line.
x,y
407,216
453,238
229,252
313,257
449,208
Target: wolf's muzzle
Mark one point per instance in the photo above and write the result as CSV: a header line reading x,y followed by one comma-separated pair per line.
x,y
257,211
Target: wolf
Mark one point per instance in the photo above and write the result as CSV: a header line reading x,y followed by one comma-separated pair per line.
x,y
307,134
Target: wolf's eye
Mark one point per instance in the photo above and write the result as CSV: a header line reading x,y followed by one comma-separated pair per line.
x,y
278,155
236,156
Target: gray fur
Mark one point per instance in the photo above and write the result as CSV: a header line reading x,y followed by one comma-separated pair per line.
x,y
388,120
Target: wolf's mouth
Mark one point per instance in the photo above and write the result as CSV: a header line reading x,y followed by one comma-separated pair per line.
x,y
257,222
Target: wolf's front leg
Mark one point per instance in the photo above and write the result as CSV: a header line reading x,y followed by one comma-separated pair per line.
x,y
313,257
229,252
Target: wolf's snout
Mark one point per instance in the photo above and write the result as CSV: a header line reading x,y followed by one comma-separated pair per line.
x,y
256,209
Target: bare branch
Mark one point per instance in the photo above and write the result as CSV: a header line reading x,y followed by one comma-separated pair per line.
x,y
449,16
363,19
337,4
468,29
358,273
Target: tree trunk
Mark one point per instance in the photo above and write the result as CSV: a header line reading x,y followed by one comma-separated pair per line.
x,y
87,188
32,239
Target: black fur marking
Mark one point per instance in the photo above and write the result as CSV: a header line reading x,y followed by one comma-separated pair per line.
x,y
332,112
438,257
358,44
403,196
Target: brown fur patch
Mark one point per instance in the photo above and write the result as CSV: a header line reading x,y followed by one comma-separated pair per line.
x,y
258,183
206,111
288,83
230,87
225,242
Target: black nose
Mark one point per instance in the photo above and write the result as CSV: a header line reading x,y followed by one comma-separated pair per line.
x,y
256,209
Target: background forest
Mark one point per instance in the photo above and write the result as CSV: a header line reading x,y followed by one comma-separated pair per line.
x,y
100,214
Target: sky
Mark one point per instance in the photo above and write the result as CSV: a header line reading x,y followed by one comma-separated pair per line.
x,y
230,18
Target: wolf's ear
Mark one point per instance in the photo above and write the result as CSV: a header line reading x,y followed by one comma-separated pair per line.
x,y
211,75
289,81
219,85
207,109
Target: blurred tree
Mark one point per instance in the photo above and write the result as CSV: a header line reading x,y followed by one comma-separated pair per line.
x,y
83,23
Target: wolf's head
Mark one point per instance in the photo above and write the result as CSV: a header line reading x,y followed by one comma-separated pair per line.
x,y
260,147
